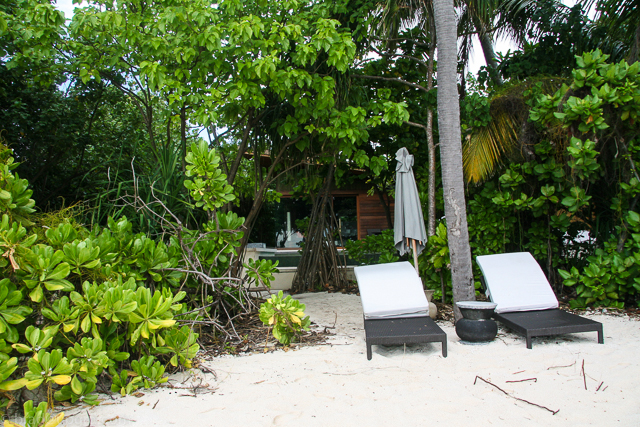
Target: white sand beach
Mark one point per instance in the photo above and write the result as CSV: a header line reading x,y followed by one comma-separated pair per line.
x,y
335,385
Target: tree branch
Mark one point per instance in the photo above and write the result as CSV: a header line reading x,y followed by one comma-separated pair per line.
x,y
392,79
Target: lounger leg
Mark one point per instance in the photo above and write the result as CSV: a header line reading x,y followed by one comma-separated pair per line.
x,y
600,336
444,348
368,351
529,345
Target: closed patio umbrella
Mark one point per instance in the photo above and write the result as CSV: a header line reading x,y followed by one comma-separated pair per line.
x,y
408,230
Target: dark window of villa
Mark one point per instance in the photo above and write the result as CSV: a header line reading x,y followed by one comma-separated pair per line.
x,y
346,211
289,217
284,224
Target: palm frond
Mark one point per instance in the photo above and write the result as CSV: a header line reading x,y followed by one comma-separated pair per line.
x,y
622,20
507,137
485,149
516,19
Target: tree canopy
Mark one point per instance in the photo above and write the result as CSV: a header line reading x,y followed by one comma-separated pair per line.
x,y
107,103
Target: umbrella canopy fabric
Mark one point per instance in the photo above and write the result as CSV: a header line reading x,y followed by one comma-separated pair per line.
x,y
408,221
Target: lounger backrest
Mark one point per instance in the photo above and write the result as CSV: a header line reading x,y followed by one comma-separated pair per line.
x,y
516,282
391,290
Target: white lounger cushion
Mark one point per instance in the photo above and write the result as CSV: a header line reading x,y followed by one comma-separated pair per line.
x,y
516,282
391,290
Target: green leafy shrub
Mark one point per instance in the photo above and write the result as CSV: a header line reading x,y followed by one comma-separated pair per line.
x,y
108,299
373,249
181,344
37,417
124,383
15,196
285,317
78,391
48,368
610,278
11,311
566,194
208,186
435,264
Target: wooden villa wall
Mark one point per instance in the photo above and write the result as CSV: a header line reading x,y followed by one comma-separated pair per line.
x,y
371,215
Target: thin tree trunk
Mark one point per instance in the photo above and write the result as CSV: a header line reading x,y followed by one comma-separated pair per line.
x,y
451,155
431,190
248,226
148,120
257,203
635,46
242,149
183,136
319,264
487,49
431,214
231,176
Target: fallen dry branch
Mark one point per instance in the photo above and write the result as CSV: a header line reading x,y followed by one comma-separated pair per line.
x,y
116,418
514,397
563,366
535,380
584,376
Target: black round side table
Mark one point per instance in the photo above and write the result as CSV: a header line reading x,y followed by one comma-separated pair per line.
x,y
476,324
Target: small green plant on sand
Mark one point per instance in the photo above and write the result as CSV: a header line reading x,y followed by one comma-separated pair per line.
x,y
37,417
285,317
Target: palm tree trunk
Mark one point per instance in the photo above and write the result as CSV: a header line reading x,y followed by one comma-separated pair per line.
x,y
635,46
487,49
451,154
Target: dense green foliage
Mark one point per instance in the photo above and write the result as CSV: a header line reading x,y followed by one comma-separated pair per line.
x,y
553,43
373,249
572,202
143,82
108,109
76,304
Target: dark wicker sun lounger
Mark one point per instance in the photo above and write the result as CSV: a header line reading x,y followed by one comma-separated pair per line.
x,y
407,330
395,307
526,302
548,322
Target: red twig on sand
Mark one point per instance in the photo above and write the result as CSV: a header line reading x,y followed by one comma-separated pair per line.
x,y
519,372
598,389
565,366
584,376
535,380
517,398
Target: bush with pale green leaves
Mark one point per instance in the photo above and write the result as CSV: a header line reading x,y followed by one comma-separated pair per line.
x,y
79,306
285,317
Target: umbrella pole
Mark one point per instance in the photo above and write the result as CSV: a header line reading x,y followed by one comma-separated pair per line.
x,y
415,256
